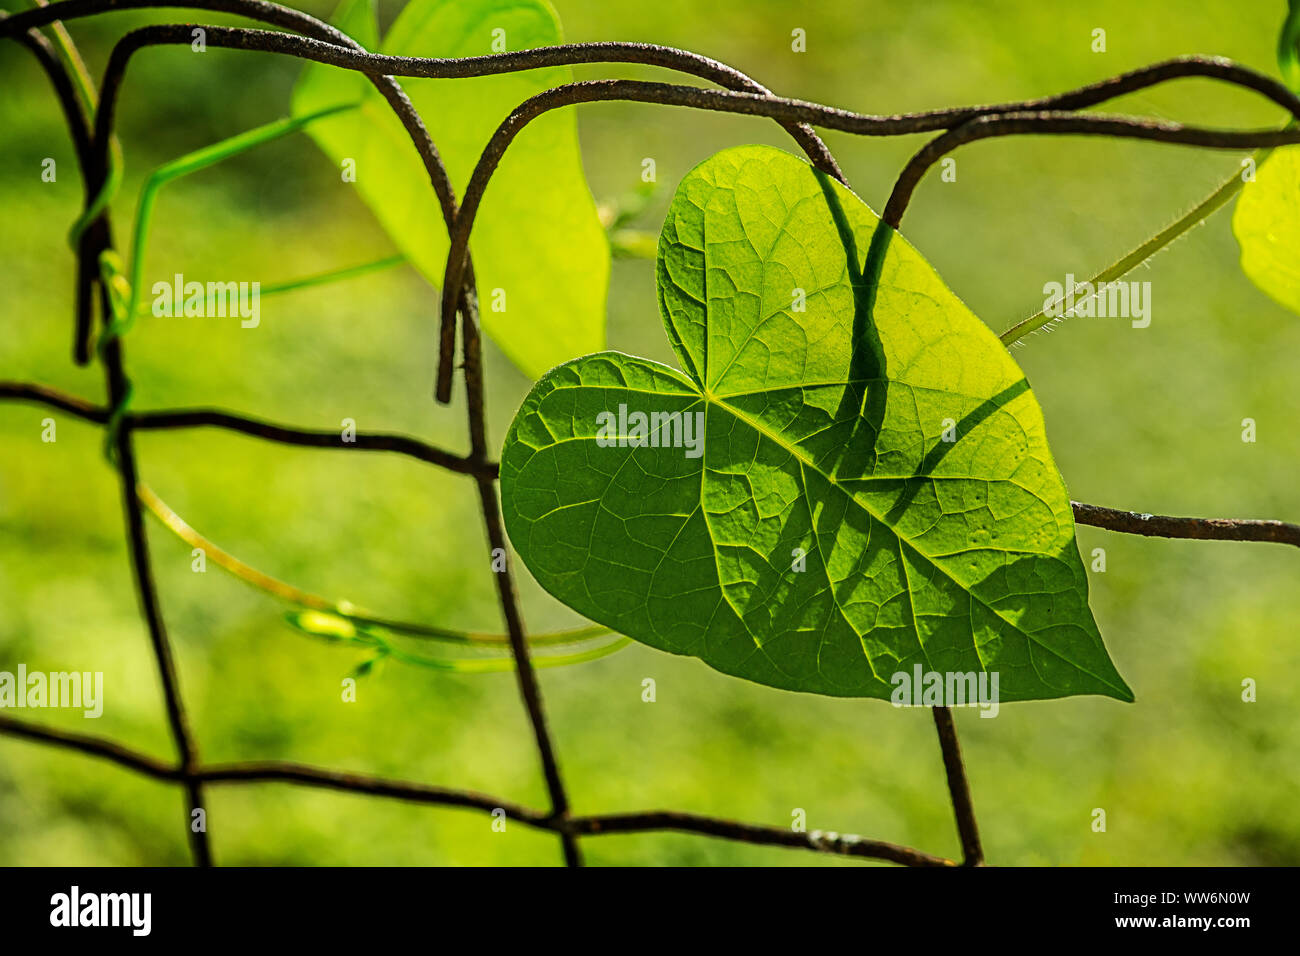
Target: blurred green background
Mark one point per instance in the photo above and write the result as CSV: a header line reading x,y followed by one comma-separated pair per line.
x,y
1143,419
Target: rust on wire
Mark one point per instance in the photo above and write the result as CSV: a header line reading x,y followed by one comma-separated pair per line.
x,y
315,40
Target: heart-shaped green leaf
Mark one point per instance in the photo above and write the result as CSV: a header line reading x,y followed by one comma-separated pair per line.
x,y
551,306
873,491
1267,225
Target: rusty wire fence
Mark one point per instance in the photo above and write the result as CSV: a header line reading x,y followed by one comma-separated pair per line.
x,y
91,126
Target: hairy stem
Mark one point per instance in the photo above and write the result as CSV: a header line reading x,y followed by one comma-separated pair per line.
x,y
1203,210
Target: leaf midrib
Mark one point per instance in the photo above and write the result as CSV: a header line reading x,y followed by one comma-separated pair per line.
x,y
808,462
805,460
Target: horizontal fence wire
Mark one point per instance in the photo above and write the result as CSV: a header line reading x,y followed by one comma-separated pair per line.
x,y
91,128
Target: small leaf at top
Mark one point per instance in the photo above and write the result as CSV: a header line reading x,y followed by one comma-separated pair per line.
x,y
1267,225
537,236
848,480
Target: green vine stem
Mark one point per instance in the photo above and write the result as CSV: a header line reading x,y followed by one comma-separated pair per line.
x,y
338,630
184,166
341,609
1288,61
1203,210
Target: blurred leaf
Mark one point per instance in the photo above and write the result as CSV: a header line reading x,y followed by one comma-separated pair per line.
x,y
537,235
1288,46
633,244
326,86
826,535
1267,225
